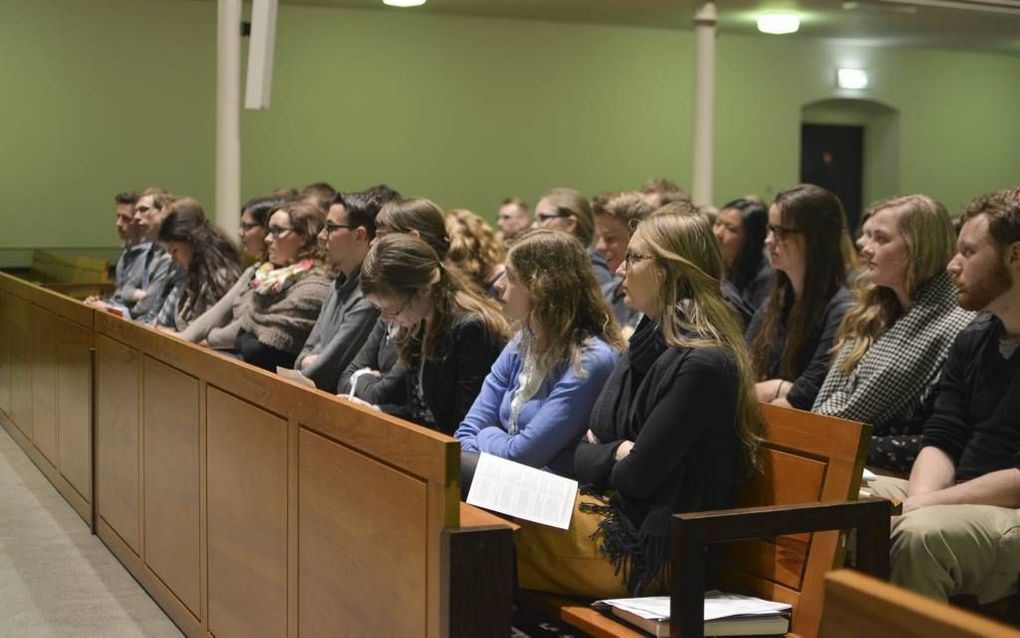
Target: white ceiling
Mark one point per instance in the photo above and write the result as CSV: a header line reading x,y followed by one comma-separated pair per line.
x,y
989,25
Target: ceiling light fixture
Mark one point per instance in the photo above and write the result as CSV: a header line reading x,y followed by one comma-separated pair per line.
x,y
855,79
778,23
403,3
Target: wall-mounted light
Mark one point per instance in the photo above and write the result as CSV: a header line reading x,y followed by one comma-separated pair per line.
x,y
852,79
403,3
778,23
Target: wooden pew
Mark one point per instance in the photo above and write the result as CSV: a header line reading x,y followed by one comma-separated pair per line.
x,y
245,504
859,605
812,470
76,276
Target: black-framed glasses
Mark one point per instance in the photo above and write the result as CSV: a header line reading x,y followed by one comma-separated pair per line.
x,y
544,217
277,231
780,232
246,226
330,227
632,257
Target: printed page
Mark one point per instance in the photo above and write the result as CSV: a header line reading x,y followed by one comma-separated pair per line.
x,y
521,491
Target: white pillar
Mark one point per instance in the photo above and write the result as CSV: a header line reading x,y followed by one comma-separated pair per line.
x,y
228,116
704,103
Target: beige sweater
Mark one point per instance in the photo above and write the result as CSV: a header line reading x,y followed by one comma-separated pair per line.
x,y
283,320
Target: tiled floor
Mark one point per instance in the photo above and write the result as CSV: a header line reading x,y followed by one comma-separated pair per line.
x,y
56,579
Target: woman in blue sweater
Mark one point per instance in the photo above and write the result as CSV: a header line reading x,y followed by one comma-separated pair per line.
x,y
535,402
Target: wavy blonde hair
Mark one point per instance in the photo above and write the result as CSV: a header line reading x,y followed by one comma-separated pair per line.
x,y
686,253
474,247
567,307
930,241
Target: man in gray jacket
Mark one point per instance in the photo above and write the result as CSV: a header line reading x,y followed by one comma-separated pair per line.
x,y
347,317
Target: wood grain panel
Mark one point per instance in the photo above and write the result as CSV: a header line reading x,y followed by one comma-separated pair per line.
x,y
74,405
44,382
247,518
362,544
21,366
170,429
5,351
118,369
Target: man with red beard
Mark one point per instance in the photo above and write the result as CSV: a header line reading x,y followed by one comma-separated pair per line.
x,y
960,529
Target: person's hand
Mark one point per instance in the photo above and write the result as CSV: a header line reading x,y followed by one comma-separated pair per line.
x,y
91,299
623,450
307,361
360,402
138,295
589,437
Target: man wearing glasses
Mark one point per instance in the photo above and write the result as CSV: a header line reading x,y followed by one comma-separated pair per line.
x,y
347,317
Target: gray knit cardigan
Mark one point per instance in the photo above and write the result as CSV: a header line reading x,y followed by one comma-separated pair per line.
x,y
284,320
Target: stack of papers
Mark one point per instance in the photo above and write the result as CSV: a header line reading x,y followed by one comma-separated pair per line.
x,y
725,614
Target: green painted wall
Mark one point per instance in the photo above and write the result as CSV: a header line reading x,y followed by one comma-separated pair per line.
x,y
105,95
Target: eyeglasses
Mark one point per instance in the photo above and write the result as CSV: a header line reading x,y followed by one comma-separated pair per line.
x,y
246,226
544,217
391,313
276,231
330,227
780,232
632,257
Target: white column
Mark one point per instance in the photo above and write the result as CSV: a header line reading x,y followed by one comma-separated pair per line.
x,y
228,116
704,103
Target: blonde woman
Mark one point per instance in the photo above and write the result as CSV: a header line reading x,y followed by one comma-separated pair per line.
x,y
675,429
568,210
475,249
535,402
896,335
449,334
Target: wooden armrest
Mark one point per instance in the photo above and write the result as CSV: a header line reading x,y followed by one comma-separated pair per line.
x,y
471,516
693,532
896,505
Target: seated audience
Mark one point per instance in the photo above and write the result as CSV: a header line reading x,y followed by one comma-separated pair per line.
x,y
675,428
207,263
958,534
475,250
319,194
895,337
660,191
566,209
535,402
287,290
513,219
129,272
793,331
346,318
217,327
616,215
740,229
449,334
376,375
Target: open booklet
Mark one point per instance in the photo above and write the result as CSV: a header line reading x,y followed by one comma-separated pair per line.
x,y
521,491
725,614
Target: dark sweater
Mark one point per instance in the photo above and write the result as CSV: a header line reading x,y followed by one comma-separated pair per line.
x,y
451,383
678,406
977,413
379,353
813,365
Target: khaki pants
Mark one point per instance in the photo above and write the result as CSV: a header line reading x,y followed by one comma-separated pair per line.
x,y
566,561
952,550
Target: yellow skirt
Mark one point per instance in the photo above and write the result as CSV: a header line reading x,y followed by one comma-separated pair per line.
x,y
567,561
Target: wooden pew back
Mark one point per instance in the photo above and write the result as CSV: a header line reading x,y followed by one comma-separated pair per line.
x,y
859,605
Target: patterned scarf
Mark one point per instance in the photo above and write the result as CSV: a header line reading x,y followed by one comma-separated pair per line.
x,y
270,280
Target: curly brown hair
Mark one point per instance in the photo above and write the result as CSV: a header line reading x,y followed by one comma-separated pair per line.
x,y
475,248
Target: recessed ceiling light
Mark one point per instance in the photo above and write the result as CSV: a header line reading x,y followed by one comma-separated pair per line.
x,y
778,23
403,3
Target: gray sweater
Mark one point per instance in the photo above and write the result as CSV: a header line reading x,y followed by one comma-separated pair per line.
x,y
218,325
343,326
283,320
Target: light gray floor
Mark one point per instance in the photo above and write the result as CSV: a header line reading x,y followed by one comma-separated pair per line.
x,y
56,579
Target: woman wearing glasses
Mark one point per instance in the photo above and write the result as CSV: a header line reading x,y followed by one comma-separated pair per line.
x,y
286,291
675,428
217,327
792,333
740,230
534,405
449,333
566,209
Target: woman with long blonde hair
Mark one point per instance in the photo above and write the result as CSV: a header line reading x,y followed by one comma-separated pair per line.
x,y
895,337
449,333
675,429
535,402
